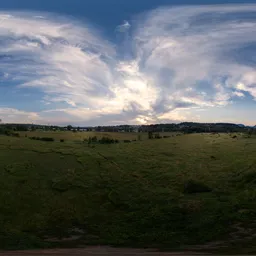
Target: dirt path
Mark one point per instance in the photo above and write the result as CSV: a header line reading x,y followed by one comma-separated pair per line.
x,y
94,251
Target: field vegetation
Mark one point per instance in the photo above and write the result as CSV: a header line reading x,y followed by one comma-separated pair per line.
x,y
195,191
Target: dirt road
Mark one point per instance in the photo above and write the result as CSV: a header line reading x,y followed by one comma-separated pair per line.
x,y
94,251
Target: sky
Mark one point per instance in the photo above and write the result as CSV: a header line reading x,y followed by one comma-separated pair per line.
x,y
111,62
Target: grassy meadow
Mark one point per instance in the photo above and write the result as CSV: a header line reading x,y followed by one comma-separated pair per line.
x,y
191,191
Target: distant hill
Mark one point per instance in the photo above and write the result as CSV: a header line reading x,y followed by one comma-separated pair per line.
x,y
186,127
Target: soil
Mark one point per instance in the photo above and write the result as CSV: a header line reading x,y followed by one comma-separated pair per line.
x,y
93,251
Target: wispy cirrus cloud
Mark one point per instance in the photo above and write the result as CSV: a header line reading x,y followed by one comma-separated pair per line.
x,y
180,59
188,52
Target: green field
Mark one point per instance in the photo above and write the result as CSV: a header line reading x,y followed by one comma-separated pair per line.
x,y
175,193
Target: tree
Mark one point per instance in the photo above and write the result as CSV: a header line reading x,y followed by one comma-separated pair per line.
x,y
69,127
150,135
21,128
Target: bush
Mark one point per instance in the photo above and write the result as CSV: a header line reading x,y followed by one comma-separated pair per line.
x,y
106,140
191,187
93,139
46,139
14,239
7,132
127,141
11,133
42,139
33,138
62,140
248,178
166,137
15,134
150,135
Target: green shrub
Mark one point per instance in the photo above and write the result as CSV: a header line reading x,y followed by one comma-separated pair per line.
x,y
192,186
15,134
13,239
47,139
42,139
7,132
106,140
94,139
62,140
248,178
150,135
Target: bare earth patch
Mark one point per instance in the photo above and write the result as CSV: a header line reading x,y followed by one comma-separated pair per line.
x,y
93,251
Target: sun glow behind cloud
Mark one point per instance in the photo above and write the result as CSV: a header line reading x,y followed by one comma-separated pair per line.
x,y
183,59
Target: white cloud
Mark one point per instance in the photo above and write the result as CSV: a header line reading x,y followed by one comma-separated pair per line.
x,y
11,115
124,27
238,94
192,45
240,86
184,58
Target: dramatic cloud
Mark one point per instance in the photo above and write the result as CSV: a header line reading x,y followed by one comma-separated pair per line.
x,y
188,52
180,59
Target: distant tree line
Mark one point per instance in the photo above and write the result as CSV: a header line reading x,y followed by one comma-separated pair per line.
x,y
185,127
189,127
